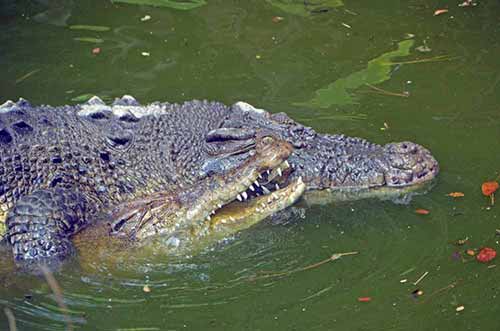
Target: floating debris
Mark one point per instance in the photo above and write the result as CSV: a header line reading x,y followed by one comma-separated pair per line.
x,y
421,277
95,28
402,281
146,289
461,242
145,54
96,50
459,308
421,211
417,293
277,19
145,18
489,189
470,252
440,12
486,254
24,77
456,194
364,299
89,40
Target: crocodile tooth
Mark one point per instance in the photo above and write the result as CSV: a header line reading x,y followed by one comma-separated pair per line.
x,y
219,206
300,179
263,205
256,183
266,190
251,188
209,217
279,171
275,196
245,195
268,172
213,212
260,176
286,163
239,198
232,218
270,199
277,186
257,210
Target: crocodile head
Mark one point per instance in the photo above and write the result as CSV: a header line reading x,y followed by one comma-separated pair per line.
x,y
186,214
349,167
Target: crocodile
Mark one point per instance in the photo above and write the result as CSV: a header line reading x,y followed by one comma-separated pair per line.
x,y
183,171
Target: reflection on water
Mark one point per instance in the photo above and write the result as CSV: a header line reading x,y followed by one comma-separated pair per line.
x,y
233,50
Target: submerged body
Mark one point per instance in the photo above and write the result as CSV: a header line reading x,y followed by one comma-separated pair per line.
x,y
167,169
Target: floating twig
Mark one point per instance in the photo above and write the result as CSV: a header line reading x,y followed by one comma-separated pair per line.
x,y
384,92
22,78
421,277
438,58
10,317
442,289
334,257
56,290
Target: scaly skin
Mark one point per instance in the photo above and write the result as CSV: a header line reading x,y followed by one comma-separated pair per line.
x,y
164,168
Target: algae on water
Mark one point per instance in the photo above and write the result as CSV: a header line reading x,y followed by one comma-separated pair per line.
x,y
377,71
174,4
305,8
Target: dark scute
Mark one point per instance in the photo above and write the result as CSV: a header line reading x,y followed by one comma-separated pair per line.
x,y
119,139
22,127
5,136
99,115
129,118
105,156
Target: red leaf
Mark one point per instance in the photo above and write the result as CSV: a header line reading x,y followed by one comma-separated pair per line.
x,y
422,211
486,254
364,299
489,188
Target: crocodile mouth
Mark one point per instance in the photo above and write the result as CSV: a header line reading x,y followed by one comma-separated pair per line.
x,y
238,198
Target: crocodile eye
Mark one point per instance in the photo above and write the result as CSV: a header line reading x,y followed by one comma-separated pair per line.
x,y
268,140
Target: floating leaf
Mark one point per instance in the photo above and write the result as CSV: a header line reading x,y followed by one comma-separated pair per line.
x,y
377,71
486,255
489,188
89,40
174,4
305,8
95,28
364,299
96,51
421,211
440,11
456,194
83,97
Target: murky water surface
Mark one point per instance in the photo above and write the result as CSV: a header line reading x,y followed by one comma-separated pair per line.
x,y
234,50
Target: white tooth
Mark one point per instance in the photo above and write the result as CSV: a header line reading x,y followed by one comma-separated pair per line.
x,y
286,163
279,172
275,195
269,199
219,205
263,205
257,210
209,218
213,212
277,186
265,190
232,218
252,188
300,180
258,194
256,183
260,176
245,195
239,198
268,172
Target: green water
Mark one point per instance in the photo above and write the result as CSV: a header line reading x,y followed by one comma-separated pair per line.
x,y
231,51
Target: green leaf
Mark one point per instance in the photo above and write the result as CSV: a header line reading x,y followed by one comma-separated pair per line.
x,y
89,40
90,28
83,97
377,71
305,8
175,4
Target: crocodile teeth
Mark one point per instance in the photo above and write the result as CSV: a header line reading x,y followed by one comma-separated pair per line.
x,y
213,212
251,188
263,205
239,198
265,189
275,195
219,206
245,195
287,164
256,183
277,186
260,176
268,172
209,218
279,171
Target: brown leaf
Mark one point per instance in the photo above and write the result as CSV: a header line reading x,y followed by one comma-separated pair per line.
x,y
456,194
